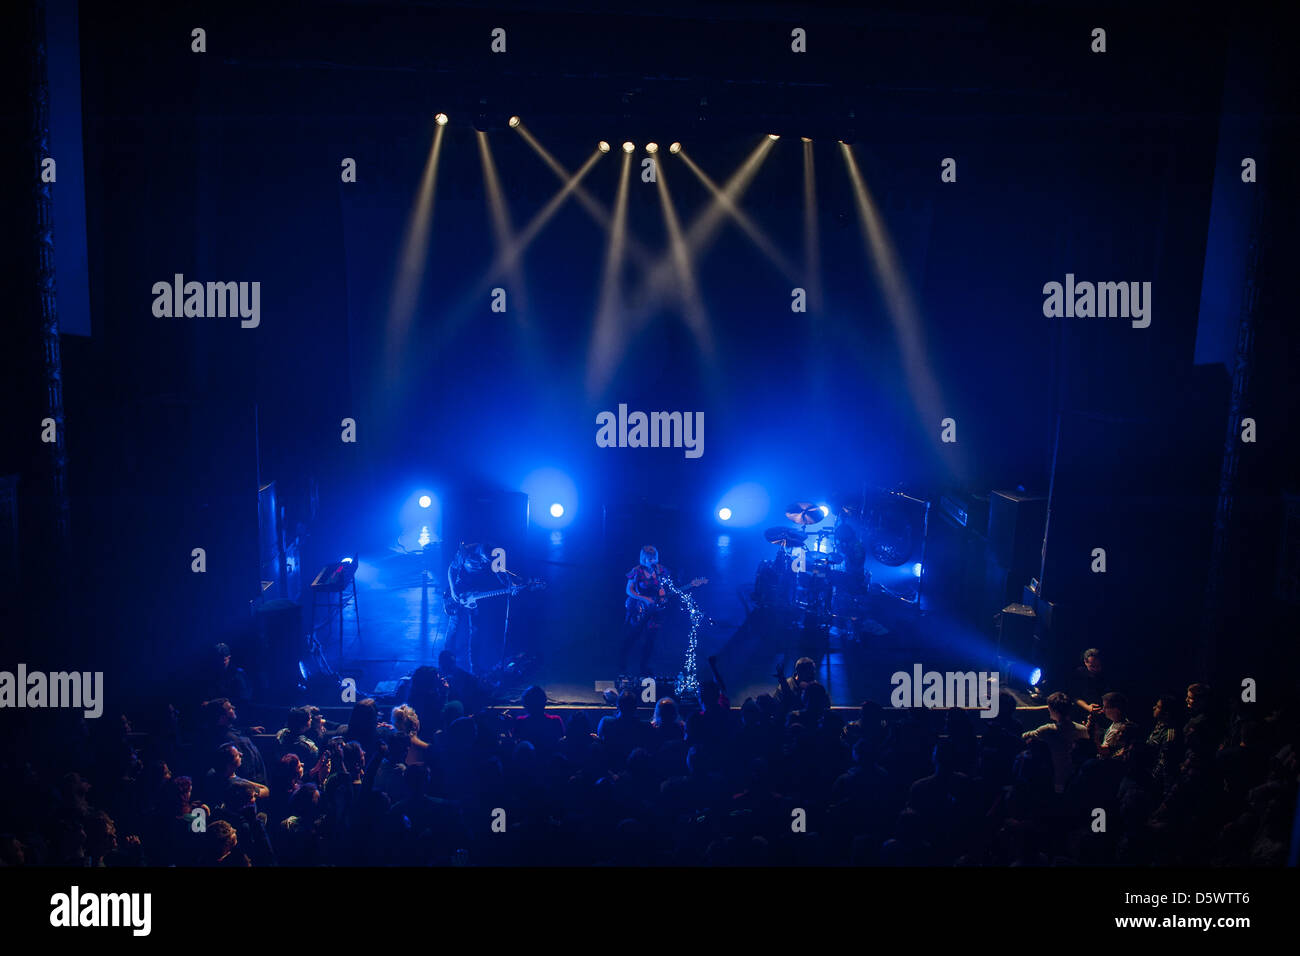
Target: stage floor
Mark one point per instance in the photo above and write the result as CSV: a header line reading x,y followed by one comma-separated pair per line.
x,y
570,633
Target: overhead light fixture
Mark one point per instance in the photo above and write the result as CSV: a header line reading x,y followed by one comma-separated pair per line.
x,y
652,147
629,146
806,139
773,137
603,146
675,148
514,121
440,119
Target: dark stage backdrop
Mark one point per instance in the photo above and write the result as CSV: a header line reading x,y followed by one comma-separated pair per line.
x,y
226,166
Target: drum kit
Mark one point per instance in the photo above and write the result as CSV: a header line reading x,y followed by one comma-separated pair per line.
x,y
820,575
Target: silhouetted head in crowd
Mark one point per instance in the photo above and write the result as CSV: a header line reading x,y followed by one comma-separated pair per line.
x,y
223,839
181,793
354,759
534,701
627,704
1115,706
304,802
101,835
750,715
219,712
405,719
958,722
239,795
1198,699
1092,660
1058,707
665,712
298,721
316,723
815,700
290,771
229,759
363,723
579,726
805,670
1006,707
1168,709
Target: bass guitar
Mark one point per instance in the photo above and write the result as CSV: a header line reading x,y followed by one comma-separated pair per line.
x,y
469,599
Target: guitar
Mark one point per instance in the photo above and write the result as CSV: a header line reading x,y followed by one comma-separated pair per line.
x,y
469,599
637,609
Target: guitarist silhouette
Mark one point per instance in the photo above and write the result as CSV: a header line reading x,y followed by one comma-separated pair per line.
x,y
468,574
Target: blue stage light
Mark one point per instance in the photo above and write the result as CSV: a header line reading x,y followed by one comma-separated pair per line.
x,y
1035,676
553,497
420,519
747,504
916,569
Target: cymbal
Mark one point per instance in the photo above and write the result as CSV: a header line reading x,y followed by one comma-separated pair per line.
x,y
785,536
802,512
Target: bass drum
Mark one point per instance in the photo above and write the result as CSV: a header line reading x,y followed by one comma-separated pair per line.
x,y
890,537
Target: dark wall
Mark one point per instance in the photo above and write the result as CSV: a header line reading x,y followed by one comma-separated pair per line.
x,y
225,166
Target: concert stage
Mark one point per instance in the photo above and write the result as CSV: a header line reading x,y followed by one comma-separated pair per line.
x,y
565,638
841,355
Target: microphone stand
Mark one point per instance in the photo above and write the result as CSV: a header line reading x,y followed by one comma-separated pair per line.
x,y
505,631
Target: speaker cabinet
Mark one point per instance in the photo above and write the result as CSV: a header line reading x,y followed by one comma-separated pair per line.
x,y
1016,524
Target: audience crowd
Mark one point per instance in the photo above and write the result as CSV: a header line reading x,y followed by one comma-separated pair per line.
x,y
443,779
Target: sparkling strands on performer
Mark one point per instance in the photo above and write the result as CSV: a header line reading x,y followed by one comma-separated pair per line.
x,y
648,587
